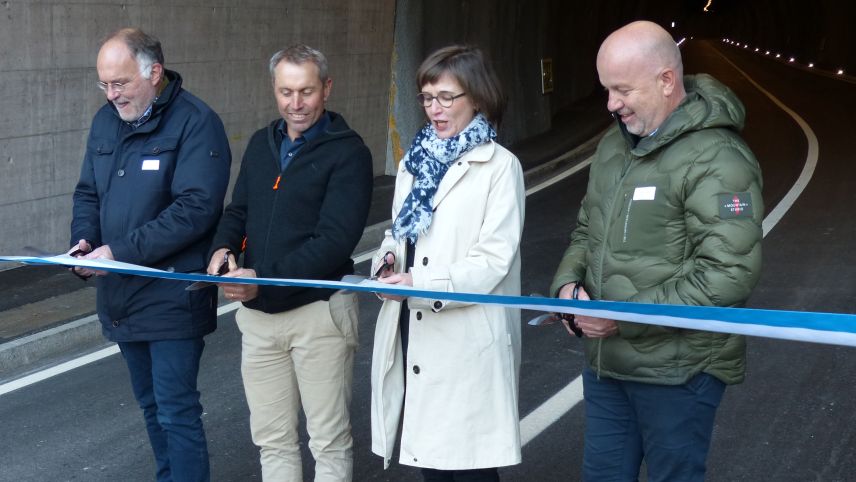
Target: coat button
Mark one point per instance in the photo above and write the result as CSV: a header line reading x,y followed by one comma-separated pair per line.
x,y
418,315
416,369
438,305
425,261
120,172
98,150
156,150
115,323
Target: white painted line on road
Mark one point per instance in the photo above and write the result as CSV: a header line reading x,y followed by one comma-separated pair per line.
x,y
545,415
58,369
562,175
776,215
228,308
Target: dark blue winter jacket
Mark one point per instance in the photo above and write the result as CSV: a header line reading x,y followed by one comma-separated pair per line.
x,y
154,194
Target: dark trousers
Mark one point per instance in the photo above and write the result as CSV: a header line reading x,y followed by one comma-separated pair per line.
x,y
669,425
476,475
163,377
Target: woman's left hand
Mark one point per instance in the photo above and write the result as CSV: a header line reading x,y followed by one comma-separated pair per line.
x,y
404,279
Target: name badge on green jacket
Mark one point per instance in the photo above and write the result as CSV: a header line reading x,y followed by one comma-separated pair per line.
x,y
735,205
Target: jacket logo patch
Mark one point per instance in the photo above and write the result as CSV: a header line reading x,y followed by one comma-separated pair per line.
x,y
735,205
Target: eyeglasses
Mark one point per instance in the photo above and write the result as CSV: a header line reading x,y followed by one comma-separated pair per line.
x,y
116,86
445,99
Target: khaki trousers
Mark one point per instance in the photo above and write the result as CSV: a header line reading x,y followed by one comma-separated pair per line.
x,y
305,354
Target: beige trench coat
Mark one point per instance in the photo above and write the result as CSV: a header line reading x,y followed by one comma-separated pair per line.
x,y
463,360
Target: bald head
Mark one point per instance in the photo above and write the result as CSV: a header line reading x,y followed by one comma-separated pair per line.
x,y
642,42
640,66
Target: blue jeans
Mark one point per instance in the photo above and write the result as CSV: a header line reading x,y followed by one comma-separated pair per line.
x,y
669,425
163,377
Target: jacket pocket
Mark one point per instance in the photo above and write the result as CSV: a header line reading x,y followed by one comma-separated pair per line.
x,y
154,168
643,221
344,312
101,153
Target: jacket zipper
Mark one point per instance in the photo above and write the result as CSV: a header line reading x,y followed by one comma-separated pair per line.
x,y
616,201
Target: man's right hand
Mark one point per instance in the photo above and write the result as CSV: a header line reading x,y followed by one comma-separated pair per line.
x,y
219,258
79,250
594,327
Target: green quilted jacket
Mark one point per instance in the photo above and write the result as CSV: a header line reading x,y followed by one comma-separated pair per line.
x,y
674,220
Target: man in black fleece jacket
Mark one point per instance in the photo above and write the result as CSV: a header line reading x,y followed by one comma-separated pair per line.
x,y
298,210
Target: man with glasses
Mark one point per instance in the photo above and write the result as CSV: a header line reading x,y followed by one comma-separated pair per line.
x,y
299,208
150,192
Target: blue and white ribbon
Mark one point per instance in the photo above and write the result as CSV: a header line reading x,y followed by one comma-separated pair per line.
x,y
831,328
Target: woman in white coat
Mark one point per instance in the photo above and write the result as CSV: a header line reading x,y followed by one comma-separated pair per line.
x,y
458,217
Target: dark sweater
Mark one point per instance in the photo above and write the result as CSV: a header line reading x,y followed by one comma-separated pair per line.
x,y
308,226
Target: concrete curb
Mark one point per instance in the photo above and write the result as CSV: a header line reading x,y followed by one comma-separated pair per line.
x,y
18,356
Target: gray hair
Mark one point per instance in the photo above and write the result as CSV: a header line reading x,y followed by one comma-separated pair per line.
x,y
145,48
299,54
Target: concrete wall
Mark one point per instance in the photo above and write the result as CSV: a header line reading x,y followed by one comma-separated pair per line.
x,y
221,48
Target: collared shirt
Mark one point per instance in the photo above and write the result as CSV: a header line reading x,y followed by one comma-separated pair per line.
x,y
288,149
148,113
143,118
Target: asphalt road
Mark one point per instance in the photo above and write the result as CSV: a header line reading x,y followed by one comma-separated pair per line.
x,y
790,420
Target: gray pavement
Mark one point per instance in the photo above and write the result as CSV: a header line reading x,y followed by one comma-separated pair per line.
x,y
47,315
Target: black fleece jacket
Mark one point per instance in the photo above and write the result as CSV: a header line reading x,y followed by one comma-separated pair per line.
x,y
303,222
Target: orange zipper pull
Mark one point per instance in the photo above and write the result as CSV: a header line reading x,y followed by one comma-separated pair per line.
x,y
276,184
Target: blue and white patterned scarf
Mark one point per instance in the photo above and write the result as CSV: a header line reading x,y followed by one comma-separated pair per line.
x,y
428,159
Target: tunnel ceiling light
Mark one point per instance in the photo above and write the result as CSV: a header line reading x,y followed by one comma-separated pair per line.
x,y
811,65
673,24
767,53
778,55
840,72
746,46
707,6
757,49
791,59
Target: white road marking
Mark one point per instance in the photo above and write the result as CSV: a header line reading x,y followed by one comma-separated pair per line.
x,y
776,215
545,415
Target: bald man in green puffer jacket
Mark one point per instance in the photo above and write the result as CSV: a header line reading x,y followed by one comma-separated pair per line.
x,y
672,215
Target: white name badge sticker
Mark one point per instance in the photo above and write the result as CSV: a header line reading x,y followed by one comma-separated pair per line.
x,y
644,193
151,164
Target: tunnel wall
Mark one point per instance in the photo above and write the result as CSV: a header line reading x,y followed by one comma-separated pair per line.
x,y
820,32
221,48
515,35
